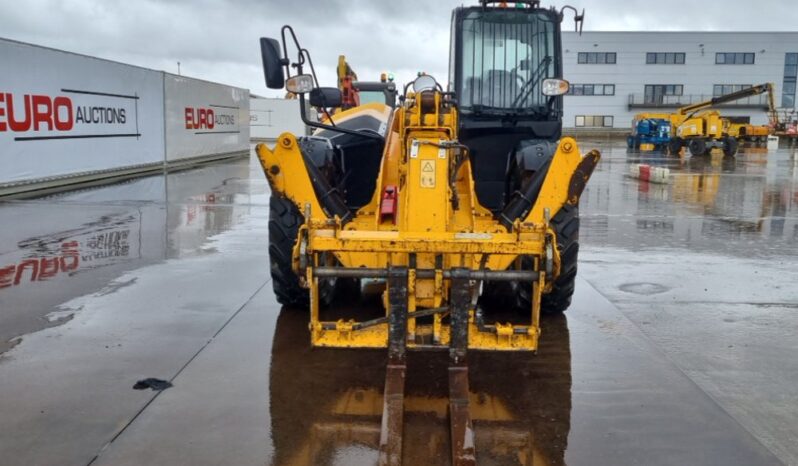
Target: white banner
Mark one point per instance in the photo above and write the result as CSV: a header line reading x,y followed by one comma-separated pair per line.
x,y
204,118
268,118
63,114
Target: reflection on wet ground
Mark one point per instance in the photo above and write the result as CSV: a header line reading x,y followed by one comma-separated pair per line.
x,y
705,267
673,351
520,405
744,206
61,247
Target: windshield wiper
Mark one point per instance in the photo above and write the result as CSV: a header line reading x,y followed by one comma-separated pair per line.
x,y
523,93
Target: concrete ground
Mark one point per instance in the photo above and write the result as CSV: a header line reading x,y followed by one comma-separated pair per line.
x,y
678,349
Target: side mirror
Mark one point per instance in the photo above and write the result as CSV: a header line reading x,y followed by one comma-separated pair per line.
x,y
326,97
272,63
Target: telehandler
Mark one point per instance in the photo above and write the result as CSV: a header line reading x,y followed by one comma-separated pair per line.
x,y
460,203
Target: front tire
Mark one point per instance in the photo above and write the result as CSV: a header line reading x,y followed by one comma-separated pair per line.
x,y
284,223
729,146
566,227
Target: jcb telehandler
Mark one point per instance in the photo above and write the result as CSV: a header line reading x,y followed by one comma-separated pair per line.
x,y
461,198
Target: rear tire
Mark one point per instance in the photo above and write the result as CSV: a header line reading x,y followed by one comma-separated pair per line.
x,y
697,147
284,223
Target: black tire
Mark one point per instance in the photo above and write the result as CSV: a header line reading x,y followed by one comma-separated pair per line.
x,y
697,147
729,146
284,223
566,226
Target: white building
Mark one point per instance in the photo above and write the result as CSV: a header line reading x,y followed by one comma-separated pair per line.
x,y
614,75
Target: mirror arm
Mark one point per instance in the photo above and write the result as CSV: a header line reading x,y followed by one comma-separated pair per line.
x,y
312,69
302,53
315,124
287,62
579,19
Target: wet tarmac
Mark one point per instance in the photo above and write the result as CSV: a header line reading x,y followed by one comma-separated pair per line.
x,y
678,348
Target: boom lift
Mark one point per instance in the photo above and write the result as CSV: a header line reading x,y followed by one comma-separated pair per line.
x,y
457,198
650,128
758,134
701,129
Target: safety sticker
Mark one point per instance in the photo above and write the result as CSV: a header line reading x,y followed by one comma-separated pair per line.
x,y
427,173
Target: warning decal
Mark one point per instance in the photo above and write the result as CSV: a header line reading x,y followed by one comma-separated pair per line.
x,y
428,174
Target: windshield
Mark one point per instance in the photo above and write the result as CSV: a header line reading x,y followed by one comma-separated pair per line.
x,y
368,97
505,56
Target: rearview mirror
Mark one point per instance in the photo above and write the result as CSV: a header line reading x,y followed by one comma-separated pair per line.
x,y
326,97
272,63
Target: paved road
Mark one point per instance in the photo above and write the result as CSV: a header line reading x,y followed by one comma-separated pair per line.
x,y
675,350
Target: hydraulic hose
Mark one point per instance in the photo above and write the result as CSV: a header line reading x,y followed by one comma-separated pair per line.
x,y
524,198
330,198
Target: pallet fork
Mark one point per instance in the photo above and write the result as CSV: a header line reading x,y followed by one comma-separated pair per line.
x,y
461,428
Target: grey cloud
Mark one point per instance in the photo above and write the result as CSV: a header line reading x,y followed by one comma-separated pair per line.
x,y
218,40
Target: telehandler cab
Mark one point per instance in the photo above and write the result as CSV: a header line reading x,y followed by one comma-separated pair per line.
x,y
459,199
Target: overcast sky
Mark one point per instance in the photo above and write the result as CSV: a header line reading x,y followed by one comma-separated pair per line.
x,y
218,40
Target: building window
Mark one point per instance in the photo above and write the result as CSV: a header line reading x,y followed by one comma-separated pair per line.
x,y
723,89
591,89
736,58
657,93
596,58
665,58
790,77
594,121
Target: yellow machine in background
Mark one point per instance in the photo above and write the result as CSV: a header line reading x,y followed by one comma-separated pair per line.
x,y
758,134
746,132
701,129
706,130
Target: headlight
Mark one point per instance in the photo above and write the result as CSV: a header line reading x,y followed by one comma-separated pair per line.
x,y
424,82
555,87
300,84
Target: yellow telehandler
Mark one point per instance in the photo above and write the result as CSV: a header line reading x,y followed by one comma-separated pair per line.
x,y
461,203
